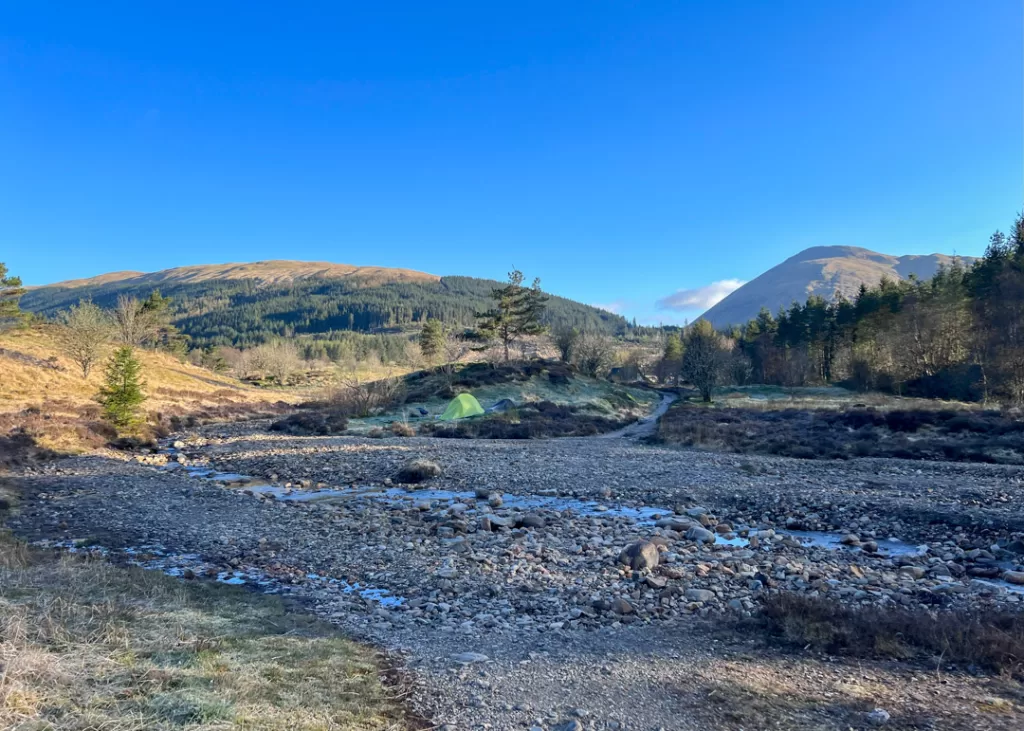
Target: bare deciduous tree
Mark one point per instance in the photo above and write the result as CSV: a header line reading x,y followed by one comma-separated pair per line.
x,y
453,351
279,360
594,354
84,333
140,322
359,397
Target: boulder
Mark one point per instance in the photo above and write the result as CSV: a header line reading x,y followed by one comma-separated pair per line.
x,y
700,535
640,555
532,521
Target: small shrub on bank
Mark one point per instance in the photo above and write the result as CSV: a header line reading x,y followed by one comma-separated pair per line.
x,y
991,640
402,429
945,434
312,423
418,470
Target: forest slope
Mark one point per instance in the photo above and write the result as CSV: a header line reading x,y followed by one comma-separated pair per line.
x,y
246,304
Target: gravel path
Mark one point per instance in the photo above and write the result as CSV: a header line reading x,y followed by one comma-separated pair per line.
x,y
519,568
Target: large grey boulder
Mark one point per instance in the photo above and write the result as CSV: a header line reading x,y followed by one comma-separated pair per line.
x,y
640,555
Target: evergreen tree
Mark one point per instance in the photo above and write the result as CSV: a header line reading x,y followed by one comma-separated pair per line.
x,y
672,357
121,393
517,312
10,292
431,339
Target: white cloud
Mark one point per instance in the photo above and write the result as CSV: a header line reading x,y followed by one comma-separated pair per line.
x,y
700,298
615,307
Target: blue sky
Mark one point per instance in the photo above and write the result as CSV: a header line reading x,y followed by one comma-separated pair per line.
x,y
629,154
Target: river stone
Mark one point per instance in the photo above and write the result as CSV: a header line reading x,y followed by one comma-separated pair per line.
x,y
913,572
700,535
699,595
1014,577
621,606
532,521
676,524
640,555
468,658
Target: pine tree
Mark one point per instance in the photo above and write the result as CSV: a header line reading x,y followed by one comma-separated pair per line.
x,y
10,292
121,393
517,313
431,339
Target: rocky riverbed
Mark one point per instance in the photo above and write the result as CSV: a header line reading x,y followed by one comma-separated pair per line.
x,y
570,583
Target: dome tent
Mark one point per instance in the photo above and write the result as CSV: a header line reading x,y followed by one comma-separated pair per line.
x,y
462,406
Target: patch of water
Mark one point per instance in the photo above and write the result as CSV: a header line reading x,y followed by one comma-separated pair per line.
x,y
1000,584
156,558
833,541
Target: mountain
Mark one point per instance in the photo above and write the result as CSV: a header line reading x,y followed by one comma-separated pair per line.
x,y
267,273
827,271
246,304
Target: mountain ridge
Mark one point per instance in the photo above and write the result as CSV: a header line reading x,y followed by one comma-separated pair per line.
x,y
826,271
269,271
244,304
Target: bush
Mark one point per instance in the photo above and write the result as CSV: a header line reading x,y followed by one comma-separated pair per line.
x,y
316,423
991,437
402,429
419,470
987,639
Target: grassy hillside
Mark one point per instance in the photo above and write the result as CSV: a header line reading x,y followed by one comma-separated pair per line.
x,y
45,393
243,305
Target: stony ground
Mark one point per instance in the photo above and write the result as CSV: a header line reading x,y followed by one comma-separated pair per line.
x,y
501,582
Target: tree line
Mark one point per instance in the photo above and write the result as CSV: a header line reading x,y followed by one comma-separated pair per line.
x,y
958,335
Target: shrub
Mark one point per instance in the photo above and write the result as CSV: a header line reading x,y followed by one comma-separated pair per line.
x,y
419,470
402,429
316,423
988,639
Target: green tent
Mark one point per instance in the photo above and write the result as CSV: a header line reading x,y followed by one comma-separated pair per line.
x,y
462,406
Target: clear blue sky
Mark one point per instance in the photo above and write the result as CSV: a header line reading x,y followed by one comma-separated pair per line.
x,y
620,151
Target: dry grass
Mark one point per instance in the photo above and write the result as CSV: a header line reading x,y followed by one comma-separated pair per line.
x,y
45,394
87,645
989,640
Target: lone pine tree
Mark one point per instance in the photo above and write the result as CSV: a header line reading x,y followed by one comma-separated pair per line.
x,y
517,312
121,392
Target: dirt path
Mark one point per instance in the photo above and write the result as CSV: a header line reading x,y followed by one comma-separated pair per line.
x,y
646,426
433,575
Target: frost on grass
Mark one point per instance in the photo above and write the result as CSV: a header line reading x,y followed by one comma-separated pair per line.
x,y
85,645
